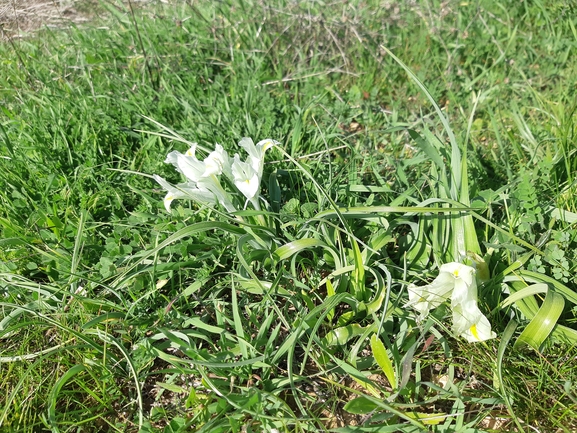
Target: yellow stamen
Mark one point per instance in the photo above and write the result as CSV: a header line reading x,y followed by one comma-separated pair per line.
x,y
473,330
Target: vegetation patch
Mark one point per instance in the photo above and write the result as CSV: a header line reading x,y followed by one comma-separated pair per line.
x,y
289,216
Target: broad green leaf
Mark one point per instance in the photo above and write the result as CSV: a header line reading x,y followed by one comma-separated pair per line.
x,y
171,387
340,336
360,406
382,357
238,323
569,294
428,418
428,148
53,398
500,385
330,292
523,293
543,323
197,323
358,275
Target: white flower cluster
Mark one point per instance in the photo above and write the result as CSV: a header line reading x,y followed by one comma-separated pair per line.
x,y
457,282
203,183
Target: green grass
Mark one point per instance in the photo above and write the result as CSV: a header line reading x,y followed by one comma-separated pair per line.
x,y
117,316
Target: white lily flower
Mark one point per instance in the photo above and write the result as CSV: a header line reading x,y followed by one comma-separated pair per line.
x,y
464,283
203,185
212,184
186,164
457,282
426,298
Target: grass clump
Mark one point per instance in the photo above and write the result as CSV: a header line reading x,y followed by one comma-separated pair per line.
x,y
123,317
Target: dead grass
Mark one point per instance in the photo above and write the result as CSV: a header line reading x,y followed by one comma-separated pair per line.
x,y
19,18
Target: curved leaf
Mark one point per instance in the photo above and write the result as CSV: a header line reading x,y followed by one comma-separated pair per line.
x,y
295,247
523,293
543,323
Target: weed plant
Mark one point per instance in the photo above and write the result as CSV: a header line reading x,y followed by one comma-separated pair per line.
x,y
411,135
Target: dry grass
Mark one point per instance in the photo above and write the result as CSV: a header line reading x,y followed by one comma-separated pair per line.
x,y
20,17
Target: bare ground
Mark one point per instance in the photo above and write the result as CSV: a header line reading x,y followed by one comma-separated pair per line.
x,y
21,17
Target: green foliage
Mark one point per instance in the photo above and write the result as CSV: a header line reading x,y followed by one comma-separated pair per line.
x,y
125,318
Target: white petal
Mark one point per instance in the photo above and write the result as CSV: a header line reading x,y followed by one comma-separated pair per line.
x,y
213,185
470,323
192,151
185,190
425,298
266,144
217,162
245,178
189,166
465,285
256,152
459,271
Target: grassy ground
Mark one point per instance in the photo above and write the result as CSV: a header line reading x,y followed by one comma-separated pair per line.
x,y
118,316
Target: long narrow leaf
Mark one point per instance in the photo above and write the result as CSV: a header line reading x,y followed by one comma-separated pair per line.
x,y
543,323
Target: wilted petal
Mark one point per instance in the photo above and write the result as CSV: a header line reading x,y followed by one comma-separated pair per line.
x,y
470,323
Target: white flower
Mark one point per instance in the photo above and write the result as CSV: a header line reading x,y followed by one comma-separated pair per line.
x,y
256,152
247,175
187,164
203,184
185,190
457,282
217,162
245,178
470,323
426,298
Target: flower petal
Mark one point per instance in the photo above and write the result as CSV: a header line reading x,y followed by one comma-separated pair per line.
x,y
185,190
256,152
186,164
245,178
217,162
425,298
470,323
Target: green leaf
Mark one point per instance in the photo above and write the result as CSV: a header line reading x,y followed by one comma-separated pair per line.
x,y
340,336
428,148
53,399
358,275
382,357
295,247
543,323
523,293
360,406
